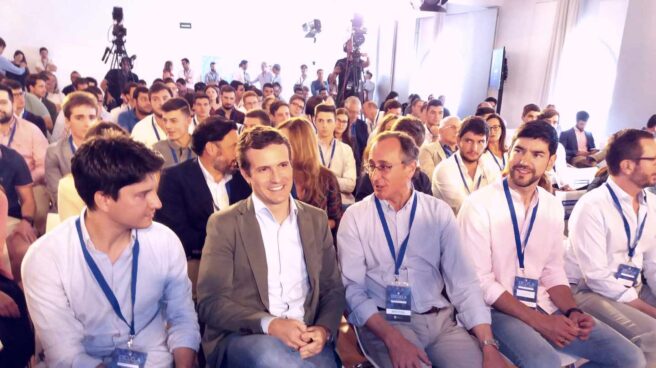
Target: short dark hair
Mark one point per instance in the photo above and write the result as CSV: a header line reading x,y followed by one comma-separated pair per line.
x,y
652,121
213,129
433,103
128,87
258,138
476,125
323,107
267,85
78,98
391,104
529,108
31,79
81,80
412,127
13,84
175,104
235,84
200,96
91,80
311,104
139,90
276,105
582,116
548,114
185,60
241,63
298,88
3,44
6,88
296,97
624,145
43,49
165,80
158,87
539,129
260,114
409,147
484,111
199,87
107,165
105,128
274,84
181,81
491,99
227,89
94,91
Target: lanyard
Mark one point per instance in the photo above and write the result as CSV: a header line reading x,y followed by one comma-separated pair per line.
x,y
497,161
632,246
103,283
332,154
397,260
11,135
193,120
175,154
521,248
70,144
152,121
462,176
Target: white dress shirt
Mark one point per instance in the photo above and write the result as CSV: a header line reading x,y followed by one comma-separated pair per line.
x,y
72,316
597,241
448,185
287,276
342,165
217,189
148,132
495,162
488,236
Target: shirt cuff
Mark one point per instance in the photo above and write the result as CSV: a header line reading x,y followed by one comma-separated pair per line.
x,y
628,296
264,322
84,360
361,314
475,316
493,292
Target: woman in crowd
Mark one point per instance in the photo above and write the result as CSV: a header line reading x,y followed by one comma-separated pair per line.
x,y
21,62
168,70
497,152
342,127
213,92
313,183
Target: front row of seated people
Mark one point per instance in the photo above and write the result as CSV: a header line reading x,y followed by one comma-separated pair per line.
x,y
110,287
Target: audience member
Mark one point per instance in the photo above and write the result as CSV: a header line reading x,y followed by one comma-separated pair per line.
x,y
318,83
71,87
240,74
496,152
18,92
296,106
167,72
186,73
150,129
117,79
265,77
371,114
484,112
52,87
176,115
392,106
530,113
651,125
239,93
6,66
126,97
256,117
579,144
251,101
279,111
368,86
202,110
212,77
36,86
141,108
432,153
228,109
556,173
213,93
267,90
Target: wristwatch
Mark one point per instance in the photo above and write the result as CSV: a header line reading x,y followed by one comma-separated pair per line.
x,y
491,342
572,310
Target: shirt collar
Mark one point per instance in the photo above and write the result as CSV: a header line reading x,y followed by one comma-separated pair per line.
x,y
208,177
624,196
516,197
87,238
260,207
388,206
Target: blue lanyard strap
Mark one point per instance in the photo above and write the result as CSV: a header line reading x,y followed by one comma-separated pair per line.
x,y
109,294
627,229
332,154
152,121
175,155
497,161
521,248
397,260
462,176
11,135
70,144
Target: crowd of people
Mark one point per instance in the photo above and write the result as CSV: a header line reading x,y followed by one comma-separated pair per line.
x,y
221,225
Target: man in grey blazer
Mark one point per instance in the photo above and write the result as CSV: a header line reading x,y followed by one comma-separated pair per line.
x,y
269,289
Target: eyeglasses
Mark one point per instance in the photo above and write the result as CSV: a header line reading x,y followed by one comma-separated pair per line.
x,y
495,128
300,106
652,159
18,94
383,168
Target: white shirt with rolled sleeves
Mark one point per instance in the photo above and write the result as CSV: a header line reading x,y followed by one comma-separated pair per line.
x,y
487,235
74,320
143,131
343,166
597,241
434,259
447,183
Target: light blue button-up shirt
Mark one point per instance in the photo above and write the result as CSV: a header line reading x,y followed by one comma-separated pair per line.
x,y
74,320
434,259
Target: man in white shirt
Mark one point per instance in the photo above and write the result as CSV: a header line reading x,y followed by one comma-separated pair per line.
x,y
612,243
438,146
275,69
186,73
44,64
127,104
212,77
464,172
110,287
240,74
150,129
303,79
269,289
513,231
335,155
265,76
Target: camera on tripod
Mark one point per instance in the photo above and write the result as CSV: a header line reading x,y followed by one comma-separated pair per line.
x,y
118,31
357,32
117,50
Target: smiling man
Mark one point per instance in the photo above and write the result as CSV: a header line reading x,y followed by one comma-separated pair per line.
x,y
269,289
177,119
110,287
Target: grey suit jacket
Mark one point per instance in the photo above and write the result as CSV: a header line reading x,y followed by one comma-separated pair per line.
x,y
58,165
232,281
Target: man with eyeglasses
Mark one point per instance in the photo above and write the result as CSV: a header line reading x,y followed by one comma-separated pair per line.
x,y
612,243
398,250
18,91
296,106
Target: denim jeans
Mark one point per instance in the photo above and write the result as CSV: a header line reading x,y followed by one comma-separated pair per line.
x,y
526,348
264,351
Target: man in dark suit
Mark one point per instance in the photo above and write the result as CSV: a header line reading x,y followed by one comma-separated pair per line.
x,y
191,191
228,109
359,128
579,144
269,289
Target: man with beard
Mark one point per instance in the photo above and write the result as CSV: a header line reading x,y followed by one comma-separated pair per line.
x,y
228,109
193,190
611,243
464,172
513,231
150,129
140,109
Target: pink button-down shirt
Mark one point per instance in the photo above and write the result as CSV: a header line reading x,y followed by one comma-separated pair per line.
x,y
31,144
581,140
487,235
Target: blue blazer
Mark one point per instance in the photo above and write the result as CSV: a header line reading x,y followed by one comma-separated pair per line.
x,y
568,140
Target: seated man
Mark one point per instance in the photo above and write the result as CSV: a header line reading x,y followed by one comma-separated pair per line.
x,y
269,289
202,108
176,115
150,129
611,243
192,191
397,302
140,108
580,145
18,92
256,117
465,172
513,230
431,153
110,287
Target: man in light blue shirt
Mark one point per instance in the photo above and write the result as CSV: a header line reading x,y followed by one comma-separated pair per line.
x,y
5,64
111,285
422,231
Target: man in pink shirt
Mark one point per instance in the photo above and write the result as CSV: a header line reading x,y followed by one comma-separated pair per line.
x,y
513,230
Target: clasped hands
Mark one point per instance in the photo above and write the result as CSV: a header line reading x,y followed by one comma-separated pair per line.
x,y
308,340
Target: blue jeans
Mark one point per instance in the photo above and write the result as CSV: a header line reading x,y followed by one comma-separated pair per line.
x,y
264,351
526,348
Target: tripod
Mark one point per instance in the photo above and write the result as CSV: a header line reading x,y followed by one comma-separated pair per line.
x,y
118,52
353,79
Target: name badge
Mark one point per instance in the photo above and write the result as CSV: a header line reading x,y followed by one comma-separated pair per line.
x,y
526,291
398,302
628,275
126,358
